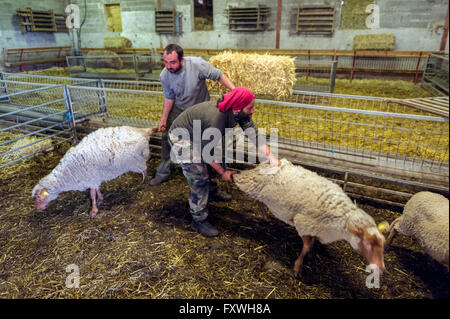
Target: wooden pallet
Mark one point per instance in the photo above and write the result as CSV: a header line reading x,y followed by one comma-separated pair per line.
x,y
165,22
434,105
248,18
315,19
41,21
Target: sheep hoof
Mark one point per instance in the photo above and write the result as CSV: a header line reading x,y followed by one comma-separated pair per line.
x,y
298,272
298,275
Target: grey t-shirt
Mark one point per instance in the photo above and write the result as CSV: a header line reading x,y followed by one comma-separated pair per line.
x,y
189,86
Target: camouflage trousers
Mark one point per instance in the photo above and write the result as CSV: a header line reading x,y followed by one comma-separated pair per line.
x,y
201,185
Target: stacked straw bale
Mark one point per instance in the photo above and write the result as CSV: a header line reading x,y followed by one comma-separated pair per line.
x,y
374,42
116,43
106,59
263,74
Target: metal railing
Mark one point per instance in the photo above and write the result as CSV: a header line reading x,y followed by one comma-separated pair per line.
x,y
124,66
317,76
436,73
351,130
32,122
361,129
140,108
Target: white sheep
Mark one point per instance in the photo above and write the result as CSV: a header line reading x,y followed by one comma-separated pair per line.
x,y
100,156
315,206
426,218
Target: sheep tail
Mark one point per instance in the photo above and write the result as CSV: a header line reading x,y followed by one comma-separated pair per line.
x,y
149,131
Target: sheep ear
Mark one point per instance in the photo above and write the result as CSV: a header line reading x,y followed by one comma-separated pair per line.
x,y
356,231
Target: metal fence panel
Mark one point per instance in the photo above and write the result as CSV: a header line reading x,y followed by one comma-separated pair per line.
x,y
33,121
318,76
436,73
363,129
117,106
334,126
123,66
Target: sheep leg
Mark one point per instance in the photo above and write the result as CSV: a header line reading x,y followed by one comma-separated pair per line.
x,y
393,231
94,209
263,210
308,242
144,175
388,241
99,197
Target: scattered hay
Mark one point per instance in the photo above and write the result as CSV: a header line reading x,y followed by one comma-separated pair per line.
x,y
374,42
54,71
75,69
263,74
140,245
45,145
117,42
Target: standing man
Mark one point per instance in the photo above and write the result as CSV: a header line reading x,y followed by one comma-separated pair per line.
x,y
184,84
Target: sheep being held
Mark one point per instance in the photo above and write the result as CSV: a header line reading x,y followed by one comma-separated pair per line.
x,y
100,156
315,206
426,218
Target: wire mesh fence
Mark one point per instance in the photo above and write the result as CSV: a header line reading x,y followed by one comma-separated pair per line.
x,y
123,66
362,129
334,126
40,79
436,73
140,108
317,76
375,63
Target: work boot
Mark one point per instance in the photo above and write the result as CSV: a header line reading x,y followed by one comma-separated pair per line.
x,y
157,180
204,228
219,196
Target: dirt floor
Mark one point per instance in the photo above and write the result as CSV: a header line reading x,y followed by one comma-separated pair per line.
x,y
140,245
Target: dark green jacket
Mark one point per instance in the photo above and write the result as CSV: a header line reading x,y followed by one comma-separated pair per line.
x,y
210,117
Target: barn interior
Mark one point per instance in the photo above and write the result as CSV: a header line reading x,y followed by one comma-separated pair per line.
x,y
354,90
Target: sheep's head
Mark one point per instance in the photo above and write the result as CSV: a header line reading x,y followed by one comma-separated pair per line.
x,y
41,198
370,245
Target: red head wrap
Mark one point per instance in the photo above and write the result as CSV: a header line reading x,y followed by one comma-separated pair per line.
x,y
237,99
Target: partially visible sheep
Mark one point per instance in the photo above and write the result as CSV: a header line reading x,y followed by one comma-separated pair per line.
x,y
426,218
100,156
317,207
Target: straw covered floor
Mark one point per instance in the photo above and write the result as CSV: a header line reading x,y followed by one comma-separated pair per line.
x,y
140,245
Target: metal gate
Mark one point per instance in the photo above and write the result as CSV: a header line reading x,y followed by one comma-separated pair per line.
x,y
365,136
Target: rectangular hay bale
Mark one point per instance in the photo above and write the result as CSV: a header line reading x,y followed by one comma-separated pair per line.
x,y
381,41
263,74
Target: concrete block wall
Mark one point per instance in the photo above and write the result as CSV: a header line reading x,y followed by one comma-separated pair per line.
x,y
417,25
11,35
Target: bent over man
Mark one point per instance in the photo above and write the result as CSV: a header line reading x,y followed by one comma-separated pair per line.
x,y
236,107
